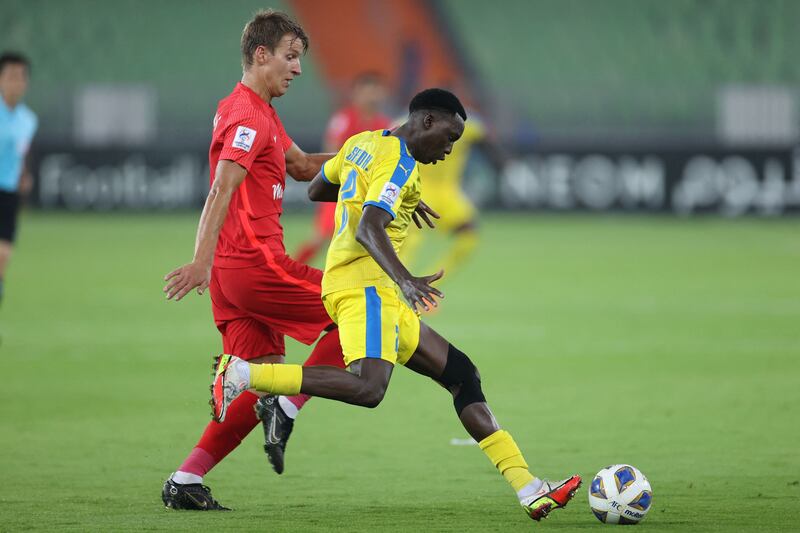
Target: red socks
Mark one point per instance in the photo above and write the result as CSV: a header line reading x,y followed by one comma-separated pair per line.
x,y
198,463
220,439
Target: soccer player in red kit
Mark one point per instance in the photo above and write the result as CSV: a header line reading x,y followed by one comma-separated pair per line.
x,y
258,293
364,113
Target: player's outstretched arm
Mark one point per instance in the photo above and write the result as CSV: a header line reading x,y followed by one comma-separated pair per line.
x,y
302,166
320,190
371,234
197,274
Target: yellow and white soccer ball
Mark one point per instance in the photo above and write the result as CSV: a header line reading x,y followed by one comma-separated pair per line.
x,y
620,494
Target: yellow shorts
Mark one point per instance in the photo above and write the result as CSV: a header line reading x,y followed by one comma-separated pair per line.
x,y
451,203
373,323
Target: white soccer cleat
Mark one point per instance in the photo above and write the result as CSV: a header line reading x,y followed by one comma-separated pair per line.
x,y
232,378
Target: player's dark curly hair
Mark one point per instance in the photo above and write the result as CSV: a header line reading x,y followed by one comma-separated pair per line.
x,y
267,29
14,58
431,99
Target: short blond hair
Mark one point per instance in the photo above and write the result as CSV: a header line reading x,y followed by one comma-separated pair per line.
x,y
267,28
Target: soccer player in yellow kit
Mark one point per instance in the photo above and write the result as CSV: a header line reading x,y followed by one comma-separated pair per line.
x,y
375,181
445,195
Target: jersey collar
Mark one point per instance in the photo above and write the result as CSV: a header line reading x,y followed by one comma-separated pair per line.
x,y
403,147
257,100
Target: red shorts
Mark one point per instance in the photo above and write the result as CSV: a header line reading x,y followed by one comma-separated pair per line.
x,y
326,222
255,307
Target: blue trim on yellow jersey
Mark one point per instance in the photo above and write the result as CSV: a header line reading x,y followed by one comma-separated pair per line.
x,y
404,168
373,343
324,177
347,191
382,205
343,222
404,148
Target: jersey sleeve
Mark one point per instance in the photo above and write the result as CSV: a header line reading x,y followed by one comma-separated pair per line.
x,y
390,181
245,137
332,167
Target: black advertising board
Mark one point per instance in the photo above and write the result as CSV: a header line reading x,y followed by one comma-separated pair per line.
x,y
681,181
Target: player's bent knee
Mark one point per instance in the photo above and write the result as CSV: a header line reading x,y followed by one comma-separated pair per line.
x,y
462,378
370,395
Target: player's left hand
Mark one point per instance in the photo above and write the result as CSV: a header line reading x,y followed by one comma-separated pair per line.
x,y
422,211
419,292
182,280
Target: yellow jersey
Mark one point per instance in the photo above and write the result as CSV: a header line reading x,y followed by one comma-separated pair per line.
x,y
451,170
372,168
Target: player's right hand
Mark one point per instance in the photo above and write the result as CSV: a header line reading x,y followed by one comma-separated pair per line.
x,y
418,291
182,280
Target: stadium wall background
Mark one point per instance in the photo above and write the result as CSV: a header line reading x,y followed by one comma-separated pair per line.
x,y
682,181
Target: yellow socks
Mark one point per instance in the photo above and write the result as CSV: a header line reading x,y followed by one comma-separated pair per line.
x,y
276,379
504,453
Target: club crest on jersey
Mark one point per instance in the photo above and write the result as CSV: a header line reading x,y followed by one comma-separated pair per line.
x,y
389,193
243,140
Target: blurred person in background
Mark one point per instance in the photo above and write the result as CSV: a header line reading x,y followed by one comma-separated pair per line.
x,y
443,191
17,128
363,113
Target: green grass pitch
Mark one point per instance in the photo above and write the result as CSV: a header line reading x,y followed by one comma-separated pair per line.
x,y
670,344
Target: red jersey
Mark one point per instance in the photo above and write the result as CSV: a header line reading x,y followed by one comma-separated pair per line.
x,y
247,130
349,121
